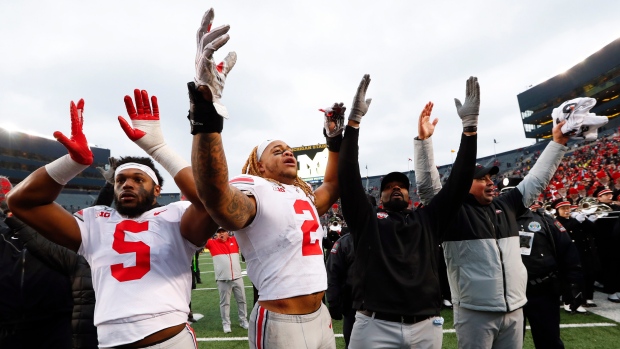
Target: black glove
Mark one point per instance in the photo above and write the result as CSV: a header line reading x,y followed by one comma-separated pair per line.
x,y
203,118
575,291
335,311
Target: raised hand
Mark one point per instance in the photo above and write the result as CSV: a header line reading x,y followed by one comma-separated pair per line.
x,y
209,74
360,103
468,111
109,173
77,145
146,130
426,128
333,124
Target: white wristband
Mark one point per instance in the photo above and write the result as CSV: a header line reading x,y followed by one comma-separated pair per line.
x,y
170,160
64,169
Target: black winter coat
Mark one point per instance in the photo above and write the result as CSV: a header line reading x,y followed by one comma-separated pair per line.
x,y
73,265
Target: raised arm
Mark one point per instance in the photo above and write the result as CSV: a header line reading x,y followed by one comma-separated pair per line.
x,y
328,192
145,130
426,173
355,207
543,170
445,205
228,206
54,256
33,199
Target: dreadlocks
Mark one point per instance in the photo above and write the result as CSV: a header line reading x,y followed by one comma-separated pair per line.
x,y
251,167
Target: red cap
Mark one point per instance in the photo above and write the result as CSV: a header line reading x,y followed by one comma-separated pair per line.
x,y
601,174
615,175
573,191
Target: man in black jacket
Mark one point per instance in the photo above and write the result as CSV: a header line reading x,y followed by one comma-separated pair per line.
x,y
481,248
551,259
35,306
395,284
339,285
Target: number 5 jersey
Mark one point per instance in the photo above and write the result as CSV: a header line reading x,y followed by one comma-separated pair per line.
x,y
140,270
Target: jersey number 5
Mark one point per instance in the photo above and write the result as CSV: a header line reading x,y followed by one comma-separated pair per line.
x,y
142,251
308,247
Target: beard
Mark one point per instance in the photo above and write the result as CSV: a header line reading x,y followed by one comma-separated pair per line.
x,y
396,205
146,201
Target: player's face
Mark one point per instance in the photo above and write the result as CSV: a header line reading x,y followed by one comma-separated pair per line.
x,y
395,195
278,162
564,211
134,192
482,189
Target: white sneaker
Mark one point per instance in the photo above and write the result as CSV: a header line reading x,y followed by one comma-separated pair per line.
x,y
447,303
590,303
227,328
244,324
580,310
614,297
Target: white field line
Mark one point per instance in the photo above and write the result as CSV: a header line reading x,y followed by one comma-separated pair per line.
x,y
339,335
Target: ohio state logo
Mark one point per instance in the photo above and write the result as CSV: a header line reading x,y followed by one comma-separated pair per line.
x,y
382,215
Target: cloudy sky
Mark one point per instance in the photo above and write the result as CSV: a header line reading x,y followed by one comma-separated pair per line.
x,y
293,58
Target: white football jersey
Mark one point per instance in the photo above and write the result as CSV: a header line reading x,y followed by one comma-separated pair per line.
x,y
140,270
283,244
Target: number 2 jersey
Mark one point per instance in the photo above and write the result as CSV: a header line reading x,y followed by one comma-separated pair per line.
x,y
282,246
140,270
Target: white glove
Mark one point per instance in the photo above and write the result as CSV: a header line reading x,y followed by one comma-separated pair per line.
x,y
574,112
592,218
580,217
208,73
590,126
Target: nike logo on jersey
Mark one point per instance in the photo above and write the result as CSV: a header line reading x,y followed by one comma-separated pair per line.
x,y
158,212
13,238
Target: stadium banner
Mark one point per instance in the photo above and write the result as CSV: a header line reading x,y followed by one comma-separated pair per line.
x,y
311,162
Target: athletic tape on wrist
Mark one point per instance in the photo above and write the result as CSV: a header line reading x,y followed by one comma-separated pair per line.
x,y
64,169
169,160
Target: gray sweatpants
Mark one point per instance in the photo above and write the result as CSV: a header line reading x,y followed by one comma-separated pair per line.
x,y
271,330
370,333
486,330
225,288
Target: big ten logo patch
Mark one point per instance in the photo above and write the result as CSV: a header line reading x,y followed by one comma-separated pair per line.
x,y
312,162
103,214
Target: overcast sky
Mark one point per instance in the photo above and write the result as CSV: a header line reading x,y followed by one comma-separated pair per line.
x,y
293,58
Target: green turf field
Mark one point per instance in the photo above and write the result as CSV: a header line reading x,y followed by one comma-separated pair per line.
x,y
588,333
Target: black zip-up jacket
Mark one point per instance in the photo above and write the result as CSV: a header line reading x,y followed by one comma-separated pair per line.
x,y
395,267
31,295
339,261
68,263
553,255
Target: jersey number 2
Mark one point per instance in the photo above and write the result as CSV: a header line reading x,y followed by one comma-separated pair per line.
x,y
308,247
142,251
